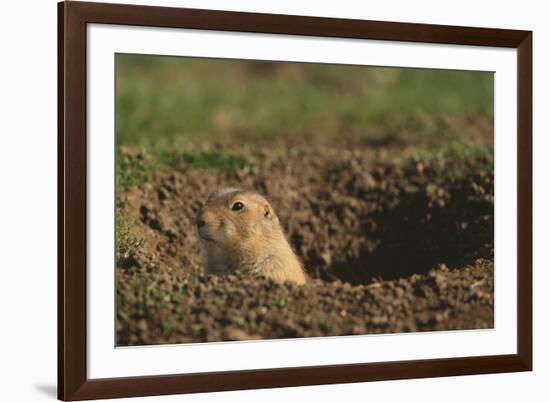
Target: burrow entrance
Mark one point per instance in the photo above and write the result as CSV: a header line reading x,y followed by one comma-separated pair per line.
x,y
414,232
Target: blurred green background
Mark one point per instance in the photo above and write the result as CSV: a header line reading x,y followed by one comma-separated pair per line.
x,y
175,100
181,113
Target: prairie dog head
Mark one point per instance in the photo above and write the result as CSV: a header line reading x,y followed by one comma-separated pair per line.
x,y
231,218
240,232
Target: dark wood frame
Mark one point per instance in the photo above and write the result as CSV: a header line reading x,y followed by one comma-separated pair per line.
x,y
73,383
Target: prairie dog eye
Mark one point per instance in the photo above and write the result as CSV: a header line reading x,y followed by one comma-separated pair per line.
x,y
237,206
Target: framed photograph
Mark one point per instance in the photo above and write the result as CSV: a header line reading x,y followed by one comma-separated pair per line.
x,y
252,200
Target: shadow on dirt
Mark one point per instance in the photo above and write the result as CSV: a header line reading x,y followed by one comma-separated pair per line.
x,y
420,233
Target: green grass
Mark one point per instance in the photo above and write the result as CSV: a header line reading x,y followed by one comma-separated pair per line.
x,y
132,170
136,166
127,243
459,152
200,159
174,101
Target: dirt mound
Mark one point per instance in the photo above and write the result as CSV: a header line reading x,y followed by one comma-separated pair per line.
x,y
208,309
351,220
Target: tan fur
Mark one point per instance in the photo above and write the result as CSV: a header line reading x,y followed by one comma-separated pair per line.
x,y
250,240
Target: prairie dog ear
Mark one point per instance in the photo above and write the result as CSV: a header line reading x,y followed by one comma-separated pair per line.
x,y
268,211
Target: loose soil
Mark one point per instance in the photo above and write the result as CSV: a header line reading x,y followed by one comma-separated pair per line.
x,y
390,247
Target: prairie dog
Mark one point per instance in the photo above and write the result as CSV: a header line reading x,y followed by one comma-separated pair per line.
x,y
241,232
